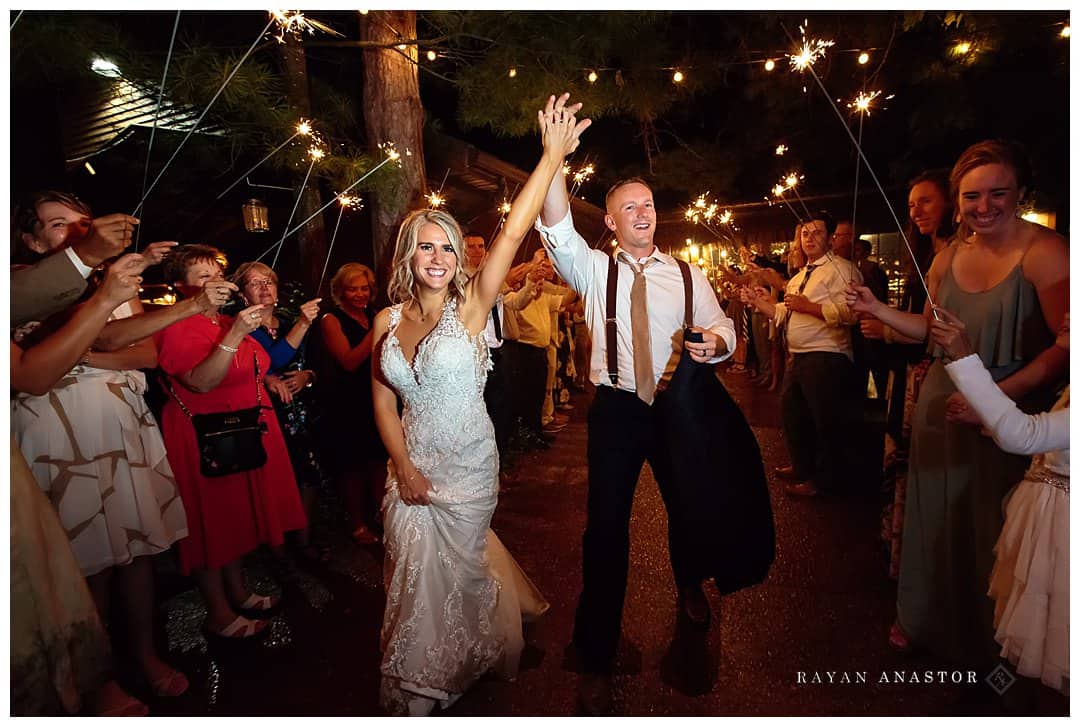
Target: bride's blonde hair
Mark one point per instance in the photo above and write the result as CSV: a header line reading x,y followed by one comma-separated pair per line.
x,y
401,287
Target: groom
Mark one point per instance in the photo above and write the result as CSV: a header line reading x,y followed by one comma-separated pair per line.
x,y
649,315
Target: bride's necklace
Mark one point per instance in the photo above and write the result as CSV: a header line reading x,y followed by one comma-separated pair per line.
x,y
420,316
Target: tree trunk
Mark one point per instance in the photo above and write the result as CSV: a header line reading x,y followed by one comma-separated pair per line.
x,y
392,113
312,237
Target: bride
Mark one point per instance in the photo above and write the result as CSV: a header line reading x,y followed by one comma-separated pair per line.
x,y
455,598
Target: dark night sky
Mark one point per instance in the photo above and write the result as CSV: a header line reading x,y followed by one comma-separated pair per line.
x,y
1017,88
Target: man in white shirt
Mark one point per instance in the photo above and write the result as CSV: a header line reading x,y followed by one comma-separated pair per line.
x,y
818,401
621,420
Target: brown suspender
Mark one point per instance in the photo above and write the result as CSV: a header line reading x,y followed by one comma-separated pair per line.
x,y
609,320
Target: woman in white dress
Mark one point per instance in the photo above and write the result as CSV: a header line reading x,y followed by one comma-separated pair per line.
x,y
455,598
1030,578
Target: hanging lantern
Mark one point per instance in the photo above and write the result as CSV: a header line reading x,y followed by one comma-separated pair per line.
x,y
256,216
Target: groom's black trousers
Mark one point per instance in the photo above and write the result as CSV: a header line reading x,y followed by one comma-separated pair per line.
x,y
621,440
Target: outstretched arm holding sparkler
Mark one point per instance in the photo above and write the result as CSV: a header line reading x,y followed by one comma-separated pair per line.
x,y
912,325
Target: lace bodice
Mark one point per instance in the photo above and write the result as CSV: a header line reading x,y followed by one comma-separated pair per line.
x,y
444,416
450,365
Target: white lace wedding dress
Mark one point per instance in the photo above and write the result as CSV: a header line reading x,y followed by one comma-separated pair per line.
x,y
455,598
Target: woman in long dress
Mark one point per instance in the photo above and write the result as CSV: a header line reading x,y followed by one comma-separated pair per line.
x,y
454,596
1030,579
1007,280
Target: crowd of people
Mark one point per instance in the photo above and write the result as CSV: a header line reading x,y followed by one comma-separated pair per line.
x,y
265,404
955,521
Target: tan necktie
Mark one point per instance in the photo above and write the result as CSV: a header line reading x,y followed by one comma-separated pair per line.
x,y
642,341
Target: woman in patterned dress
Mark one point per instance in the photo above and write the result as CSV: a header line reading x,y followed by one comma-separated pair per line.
x,y
96,451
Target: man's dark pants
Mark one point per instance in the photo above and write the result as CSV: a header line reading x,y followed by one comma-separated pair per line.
x,y
818,406
621,440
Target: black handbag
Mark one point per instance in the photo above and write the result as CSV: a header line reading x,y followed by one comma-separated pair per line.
x,y
229,441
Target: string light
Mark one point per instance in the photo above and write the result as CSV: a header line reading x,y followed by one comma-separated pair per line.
x,y
677,77
781,150
513,72
403,46
90,169
770,64
592,76
864,58
432,55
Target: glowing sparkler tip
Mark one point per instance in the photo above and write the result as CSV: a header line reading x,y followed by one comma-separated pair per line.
x,y
295,23
863,101
779,190
791,180
504,208
435,200
810,53
303,128
781,150
316,153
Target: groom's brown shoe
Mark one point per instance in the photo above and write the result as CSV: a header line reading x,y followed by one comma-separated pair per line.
x,y
594,694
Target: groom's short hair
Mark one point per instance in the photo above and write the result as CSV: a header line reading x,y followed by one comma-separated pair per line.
x,y
623,183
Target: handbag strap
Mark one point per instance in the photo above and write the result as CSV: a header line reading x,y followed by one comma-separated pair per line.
x,y
258,389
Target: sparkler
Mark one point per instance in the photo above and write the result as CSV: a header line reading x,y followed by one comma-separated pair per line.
x,y
791,181
295,23
344,202
781,150
316,154
436,199
706,212
873,175
303,128
580,176
392,155
811,51
504,210
198,121
157,115
861,104
778,191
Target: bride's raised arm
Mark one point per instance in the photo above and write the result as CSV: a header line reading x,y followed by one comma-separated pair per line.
x,y
560,132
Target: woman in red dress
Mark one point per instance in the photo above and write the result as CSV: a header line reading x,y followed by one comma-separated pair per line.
x,y
209,361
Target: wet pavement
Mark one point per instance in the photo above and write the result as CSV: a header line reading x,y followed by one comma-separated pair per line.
x,y
811,640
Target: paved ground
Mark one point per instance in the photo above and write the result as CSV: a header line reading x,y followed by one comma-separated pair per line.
x,y
822,615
